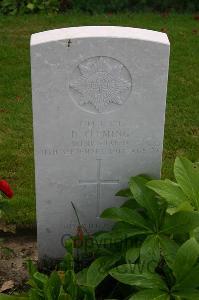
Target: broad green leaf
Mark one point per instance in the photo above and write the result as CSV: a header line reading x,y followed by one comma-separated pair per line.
x,y
188,294
131,203
184,206
150,294
196,233
168,190
53,286
132,255
181,222
125,227
82,276
118,235
40,279
144,196
186,258
69,246
150,252
89,292
190,280
128,228
169,249
64,296
126,215
68,262
132,275
70,283
35,294
31,268
187,176
99,269
125,193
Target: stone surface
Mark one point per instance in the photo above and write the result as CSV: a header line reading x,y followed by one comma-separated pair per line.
x,y
99,96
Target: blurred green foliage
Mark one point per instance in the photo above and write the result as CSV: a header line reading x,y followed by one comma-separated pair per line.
x,y
12,7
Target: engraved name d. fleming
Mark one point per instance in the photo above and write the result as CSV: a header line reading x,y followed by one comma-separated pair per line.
x,y
101,82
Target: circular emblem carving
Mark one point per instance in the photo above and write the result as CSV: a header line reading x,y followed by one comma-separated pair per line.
x,y
100,84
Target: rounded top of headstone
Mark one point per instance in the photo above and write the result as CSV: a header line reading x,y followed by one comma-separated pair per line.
x,y
99,32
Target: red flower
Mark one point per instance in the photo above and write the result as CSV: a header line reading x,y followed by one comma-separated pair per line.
x,y
6,189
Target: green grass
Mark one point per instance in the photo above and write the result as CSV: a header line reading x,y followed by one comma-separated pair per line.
x,y
16,148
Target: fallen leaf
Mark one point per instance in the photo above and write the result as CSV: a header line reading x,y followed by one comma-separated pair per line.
x,y
196,17
7,286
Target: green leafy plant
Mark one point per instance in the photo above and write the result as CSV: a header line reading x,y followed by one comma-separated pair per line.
x,y
13,7
182,195
144,226
144,232
62,284
42,6
177,280
9,7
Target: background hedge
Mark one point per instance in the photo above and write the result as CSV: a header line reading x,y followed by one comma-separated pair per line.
x,y
12,7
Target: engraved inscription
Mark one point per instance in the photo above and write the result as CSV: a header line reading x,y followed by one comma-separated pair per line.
x,y
99,138
100,84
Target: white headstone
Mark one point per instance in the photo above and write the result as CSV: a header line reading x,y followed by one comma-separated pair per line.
x,y
99,96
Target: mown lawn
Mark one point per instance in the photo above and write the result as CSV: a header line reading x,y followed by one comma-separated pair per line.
x,y
16,148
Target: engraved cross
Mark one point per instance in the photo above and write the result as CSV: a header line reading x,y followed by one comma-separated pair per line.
x,y
99,182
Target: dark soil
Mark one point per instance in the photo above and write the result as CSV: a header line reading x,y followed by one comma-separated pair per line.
x,y
14,252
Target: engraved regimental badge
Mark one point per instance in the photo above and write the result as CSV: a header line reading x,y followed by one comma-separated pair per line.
x,y
100,84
